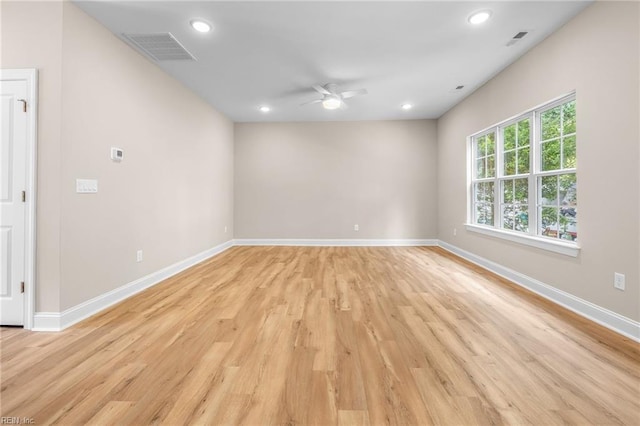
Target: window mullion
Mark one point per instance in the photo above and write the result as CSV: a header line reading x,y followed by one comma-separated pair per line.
x,y
497,205
556,172
558,206
534,190
561,139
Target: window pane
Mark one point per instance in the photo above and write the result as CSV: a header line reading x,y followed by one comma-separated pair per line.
x,y
510,137
491,166
507,216
569,117
515,217
568,230
507,191
480,215
521,218
491,143
484,214
488,189
484,192
480,174
549,190
480,147
523,133
568,227
568,207
568,193
483,205
477,194
569,152
481,150
549,221
521,191
550,123
550,155
509,163
523,161
481,192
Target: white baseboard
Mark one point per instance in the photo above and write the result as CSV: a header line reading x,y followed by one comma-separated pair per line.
x,y
616,322
46,321
336,242
56,321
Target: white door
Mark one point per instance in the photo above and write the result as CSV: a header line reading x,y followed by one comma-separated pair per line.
x,y
13,168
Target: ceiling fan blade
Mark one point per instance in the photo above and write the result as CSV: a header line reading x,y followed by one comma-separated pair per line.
x,y
351,93
321,89
311,102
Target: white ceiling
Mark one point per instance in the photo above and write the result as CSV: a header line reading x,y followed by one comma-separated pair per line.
x,y
270,53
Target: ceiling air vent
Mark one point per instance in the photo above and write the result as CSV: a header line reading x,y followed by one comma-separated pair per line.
x,y
516,38
159,47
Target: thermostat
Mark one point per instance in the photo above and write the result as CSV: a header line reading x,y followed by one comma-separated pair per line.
x,y
117,154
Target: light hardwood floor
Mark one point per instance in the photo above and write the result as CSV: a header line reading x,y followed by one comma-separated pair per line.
x,y
292,335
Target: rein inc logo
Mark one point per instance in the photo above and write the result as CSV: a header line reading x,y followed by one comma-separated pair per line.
x,y
17,421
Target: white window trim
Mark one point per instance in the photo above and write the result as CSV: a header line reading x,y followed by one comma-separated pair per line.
x,y
559,246
529,239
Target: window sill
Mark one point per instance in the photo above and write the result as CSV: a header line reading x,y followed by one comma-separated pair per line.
x,y
561,247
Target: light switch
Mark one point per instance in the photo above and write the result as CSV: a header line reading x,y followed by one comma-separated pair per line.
x,y
86,186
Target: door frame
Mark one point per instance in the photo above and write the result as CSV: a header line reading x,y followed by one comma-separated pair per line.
x,y
30,76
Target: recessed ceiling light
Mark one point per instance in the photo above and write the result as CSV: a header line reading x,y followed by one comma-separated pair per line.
x,y
478,18
200,26
331,102
406,106
265,108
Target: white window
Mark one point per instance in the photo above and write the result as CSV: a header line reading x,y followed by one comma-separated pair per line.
x,y
523,178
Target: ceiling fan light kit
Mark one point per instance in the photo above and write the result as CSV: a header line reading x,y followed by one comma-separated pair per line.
x,y
331,98
331,102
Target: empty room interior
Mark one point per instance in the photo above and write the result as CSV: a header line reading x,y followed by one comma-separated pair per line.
x,y
320,212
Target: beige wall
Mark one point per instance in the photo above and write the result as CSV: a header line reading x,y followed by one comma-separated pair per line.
x,y
316,180
31,37
596,54
172,195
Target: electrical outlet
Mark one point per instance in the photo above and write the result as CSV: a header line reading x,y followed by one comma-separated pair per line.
x,y
455,232
618,281
356,227
139,256
225,229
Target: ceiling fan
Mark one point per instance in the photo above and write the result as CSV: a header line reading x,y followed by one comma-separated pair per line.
x,y
331,98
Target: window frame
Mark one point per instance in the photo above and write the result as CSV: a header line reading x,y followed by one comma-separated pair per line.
x,y
534,198
485,179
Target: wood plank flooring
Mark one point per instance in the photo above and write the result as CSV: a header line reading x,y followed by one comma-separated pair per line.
x,y
325,335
